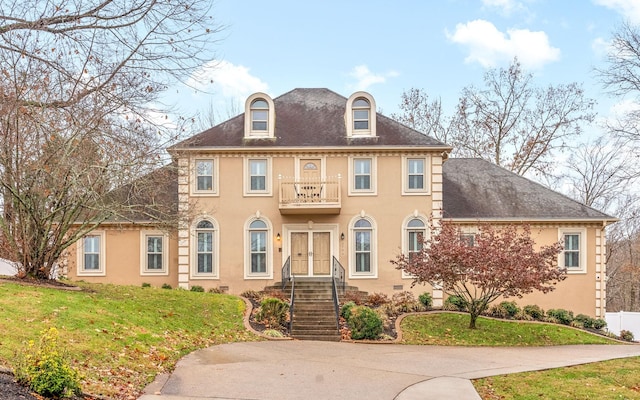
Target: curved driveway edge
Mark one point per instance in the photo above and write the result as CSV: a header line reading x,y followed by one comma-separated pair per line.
x,y
336,370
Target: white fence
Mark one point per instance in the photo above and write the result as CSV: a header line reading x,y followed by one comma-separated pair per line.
x,y
623,320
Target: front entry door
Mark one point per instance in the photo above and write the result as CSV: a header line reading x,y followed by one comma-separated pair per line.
x,y
311,253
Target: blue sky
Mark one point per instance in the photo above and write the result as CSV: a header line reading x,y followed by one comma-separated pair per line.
x,y
388,47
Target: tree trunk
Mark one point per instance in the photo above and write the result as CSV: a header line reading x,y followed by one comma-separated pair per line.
x,y
472,320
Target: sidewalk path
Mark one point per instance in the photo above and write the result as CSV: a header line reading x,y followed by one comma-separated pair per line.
x,y
312,370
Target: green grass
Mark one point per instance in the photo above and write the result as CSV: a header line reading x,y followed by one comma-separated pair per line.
x,y
119,337
449,329
614,379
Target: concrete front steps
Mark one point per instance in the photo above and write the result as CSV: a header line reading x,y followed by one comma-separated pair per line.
x,y
314,315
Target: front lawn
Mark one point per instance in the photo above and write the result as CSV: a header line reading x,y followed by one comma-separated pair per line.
x,y
451,329
119,337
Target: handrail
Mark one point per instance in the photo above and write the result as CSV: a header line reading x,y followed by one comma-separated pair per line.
x,y
291,301
338,275
286,272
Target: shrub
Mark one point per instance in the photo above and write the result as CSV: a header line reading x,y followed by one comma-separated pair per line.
x,y
405,302
353,296
166,286
523,316
364,323
585,320
345,311
561,315
426,300
146,284
498,311
44,368
511,308
534,311
599,323
455,303
251,295
377,299
276,294
273,333
626,335
196,288
273,312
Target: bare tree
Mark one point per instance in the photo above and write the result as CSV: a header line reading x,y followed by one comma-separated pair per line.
x,y
424,115
515,124
78,82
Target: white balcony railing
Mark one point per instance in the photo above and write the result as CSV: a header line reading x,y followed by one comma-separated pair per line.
x,y
302,195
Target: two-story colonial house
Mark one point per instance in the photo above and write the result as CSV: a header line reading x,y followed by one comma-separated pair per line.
x,y
311,183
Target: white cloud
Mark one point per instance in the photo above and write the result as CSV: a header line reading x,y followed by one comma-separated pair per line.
x,y
629,9
490,47
365,78
227,80
600,46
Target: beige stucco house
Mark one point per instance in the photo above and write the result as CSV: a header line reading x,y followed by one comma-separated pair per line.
x,y
311,184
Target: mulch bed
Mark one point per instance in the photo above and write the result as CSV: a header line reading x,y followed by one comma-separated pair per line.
x,y
11,390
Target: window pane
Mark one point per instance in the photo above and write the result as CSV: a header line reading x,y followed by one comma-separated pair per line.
x,y
363,241
416,239
204,168
571,259
92,244
363,182
205,262
205,241
416,166
363,262
258,167
362,223
416,182
259,126
361,114
360,102
92,261
572,242
154,244
258,263
258,183
205,225
362,167
259,104
154,261
361,125
415,223
258,241
257,224
205,183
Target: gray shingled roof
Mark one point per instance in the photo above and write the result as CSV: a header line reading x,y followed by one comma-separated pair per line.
x,y
309,118
478,189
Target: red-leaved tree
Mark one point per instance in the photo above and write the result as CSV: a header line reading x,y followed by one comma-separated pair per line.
x,y
499,262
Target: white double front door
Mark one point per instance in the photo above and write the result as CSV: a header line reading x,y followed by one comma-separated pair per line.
x,y
310,252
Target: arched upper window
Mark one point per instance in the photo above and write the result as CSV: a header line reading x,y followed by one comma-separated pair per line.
x,y
414,235
360,115
259,116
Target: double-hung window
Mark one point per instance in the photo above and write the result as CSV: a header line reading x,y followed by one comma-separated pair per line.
x,y
363,247
259,116
91,257
154,253
415,237
362,174
415,175
204,175
361,109
154,257
258,234
573,256
257,175
205,247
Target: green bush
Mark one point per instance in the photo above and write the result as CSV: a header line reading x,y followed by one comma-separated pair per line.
x,y
626,335
273,312
44,368
364,323
196,288
561,315
273,333
599,323
455,303
585,320
166,286
426,300
345,311
534,312
498,311
511,308
146,284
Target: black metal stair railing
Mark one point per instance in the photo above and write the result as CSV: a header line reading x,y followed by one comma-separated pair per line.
x,y
337,281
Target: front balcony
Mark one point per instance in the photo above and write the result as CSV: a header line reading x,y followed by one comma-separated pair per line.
x,y
310,196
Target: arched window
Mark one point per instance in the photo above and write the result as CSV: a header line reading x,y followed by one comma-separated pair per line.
x,y
259,115
362,247
416,231
360,115
205,248
258,236
361,111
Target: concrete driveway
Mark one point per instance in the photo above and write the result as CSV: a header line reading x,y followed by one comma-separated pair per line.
x,y
324,370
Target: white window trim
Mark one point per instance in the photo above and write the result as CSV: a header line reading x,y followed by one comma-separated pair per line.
x,y
405,176
373,274
247,250
193,268
143,253
371,132
247,178
102,271
583,249
249,133
373,191
405,236
194,179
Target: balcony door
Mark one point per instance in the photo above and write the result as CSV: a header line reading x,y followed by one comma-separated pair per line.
x,y
311,253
